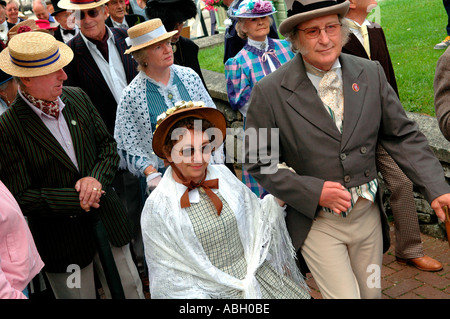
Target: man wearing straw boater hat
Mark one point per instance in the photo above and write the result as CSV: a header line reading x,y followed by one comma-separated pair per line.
x,y
102,70
58,160
330,110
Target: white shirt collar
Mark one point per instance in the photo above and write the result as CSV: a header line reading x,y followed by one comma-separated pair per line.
x,y
91,45
119,24
366,22
257,44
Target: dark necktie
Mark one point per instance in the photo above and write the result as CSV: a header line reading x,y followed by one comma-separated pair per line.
x,y
68,31
102,45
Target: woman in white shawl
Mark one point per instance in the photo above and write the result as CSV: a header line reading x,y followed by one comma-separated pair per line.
x,y
156,88
206,241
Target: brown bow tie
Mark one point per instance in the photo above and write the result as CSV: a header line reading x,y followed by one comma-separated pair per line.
x,y
206,185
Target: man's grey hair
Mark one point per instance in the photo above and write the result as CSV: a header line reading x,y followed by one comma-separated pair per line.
x,y
13,1
42,2
296,46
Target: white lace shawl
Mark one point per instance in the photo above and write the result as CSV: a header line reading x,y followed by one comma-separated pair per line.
x,y
178,265
133,131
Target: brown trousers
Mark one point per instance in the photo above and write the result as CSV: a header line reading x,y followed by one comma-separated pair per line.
x,y
408,243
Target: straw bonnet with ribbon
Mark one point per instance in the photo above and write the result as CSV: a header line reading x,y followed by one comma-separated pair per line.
x,y
299,11
80,4
147,33
24,26
253,9
32,54
167,120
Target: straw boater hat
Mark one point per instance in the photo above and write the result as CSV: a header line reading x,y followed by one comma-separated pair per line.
x,y
80,4
147,33
253,9
299,11
32,54
180,111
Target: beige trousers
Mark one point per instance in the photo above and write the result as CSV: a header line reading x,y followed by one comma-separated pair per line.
x,y
81,285
345,255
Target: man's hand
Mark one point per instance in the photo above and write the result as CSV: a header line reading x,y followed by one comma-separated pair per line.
x,y
438,203
335,197
90,192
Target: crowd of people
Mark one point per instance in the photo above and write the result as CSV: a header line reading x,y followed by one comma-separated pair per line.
x,y
113,168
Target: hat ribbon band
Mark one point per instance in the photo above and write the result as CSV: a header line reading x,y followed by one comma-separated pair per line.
x,y
36,63
83,1
146,37
297,7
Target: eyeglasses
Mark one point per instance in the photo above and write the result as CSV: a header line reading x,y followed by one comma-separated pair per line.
x,y
93,13
190,151
313,33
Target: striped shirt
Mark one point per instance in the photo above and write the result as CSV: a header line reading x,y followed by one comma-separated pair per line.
x,y
368,190
58,127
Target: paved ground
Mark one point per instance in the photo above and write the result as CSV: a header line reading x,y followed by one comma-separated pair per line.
x,y
407,282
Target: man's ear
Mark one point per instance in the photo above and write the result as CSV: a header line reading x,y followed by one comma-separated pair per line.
x,y
352,4
25,81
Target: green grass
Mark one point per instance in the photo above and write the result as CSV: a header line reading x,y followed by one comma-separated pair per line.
x,y
212,58
412,28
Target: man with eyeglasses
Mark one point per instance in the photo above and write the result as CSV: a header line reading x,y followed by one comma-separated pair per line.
x,y
102,70
330,110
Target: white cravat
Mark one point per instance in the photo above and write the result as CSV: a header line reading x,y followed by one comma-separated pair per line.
x,y
331,94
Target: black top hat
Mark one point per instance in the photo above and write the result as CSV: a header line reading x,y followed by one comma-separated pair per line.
x,y
171,12
55,6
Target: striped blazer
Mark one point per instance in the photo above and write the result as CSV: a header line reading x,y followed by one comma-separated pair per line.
x,y
83,72
40,175
249,66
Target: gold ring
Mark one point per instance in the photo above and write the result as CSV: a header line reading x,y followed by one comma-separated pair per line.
x,y
94,189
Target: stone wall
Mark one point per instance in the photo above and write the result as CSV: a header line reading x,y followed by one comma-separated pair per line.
x,y
428,221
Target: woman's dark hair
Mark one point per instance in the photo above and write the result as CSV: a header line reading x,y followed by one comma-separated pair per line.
x,y
189,124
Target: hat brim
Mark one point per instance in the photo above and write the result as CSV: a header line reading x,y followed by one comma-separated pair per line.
x,y
66,4
54,13
213,115
290,23
155,40
6,65
5,80
252,15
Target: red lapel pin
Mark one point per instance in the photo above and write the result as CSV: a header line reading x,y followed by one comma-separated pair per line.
x,y
355,87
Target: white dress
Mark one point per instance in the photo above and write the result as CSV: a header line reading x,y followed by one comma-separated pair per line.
x,y
253,257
